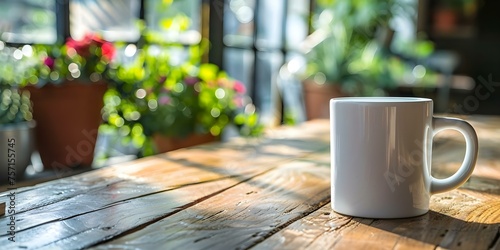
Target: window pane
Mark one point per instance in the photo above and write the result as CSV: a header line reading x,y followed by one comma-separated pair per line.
x,y
297,26
28,21
239,23
291,87
175,22
114,19
238,63
268,65
270,24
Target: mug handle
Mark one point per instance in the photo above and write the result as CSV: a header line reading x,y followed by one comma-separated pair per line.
x,y
465,171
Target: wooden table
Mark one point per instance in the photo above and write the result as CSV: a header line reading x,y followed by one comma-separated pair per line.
x,y
272,192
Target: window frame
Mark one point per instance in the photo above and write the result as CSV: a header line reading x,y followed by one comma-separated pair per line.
x,y
216,53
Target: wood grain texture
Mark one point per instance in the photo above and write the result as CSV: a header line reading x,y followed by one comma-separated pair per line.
x,y
77,207
243,215
86,229
151,175
468,218
457,220
234,158
266,193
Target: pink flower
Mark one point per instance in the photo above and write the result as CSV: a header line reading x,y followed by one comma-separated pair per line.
x,y
223,82
49,62
238,100
239,87
190,81
164,100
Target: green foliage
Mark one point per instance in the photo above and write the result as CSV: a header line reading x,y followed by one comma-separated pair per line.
x,y
165,89
419,49
16,68
154,95
344,48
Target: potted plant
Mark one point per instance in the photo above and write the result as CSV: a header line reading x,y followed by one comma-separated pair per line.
x,y
162,105
16,134
16,124
344,35
67,99
448,15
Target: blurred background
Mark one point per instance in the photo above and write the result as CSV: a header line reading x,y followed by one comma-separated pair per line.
x,y
252,39
289,53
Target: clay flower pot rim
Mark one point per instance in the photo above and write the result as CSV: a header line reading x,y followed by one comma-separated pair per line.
x,y
64,82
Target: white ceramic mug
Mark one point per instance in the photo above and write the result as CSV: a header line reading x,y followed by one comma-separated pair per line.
x,y
381,151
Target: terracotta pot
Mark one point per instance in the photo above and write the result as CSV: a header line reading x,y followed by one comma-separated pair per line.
x,y
445,19
68,117
165,144
317,98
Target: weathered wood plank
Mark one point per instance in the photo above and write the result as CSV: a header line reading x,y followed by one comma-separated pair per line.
x,y
163,176
243,215
90,228
278,145
62,189
460,219
167,171
264,193
153,177
468,218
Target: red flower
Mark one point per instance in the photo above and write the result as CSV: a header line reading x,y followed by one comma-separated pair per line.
x,y
239,87
49,62
108,51
83,46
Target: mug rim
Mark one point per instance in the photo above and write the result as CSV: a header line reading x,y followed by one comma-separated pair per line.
x,y
390,99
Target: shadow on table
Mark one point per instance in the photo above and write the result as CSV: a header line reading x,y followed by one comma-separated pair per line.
x,y
441,230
